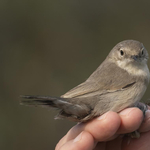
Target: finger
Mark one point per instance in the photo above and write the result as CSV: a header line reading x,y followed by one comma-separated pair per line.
x,y
131,119
60,143
72,134
101,128
145,126
83,141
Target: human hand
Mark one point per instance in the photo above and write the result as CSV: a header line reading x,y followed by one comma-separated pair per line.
x,y
107,132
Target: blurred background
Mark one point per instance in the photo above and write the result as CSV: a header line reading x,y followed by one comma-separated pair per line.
x,y
46,48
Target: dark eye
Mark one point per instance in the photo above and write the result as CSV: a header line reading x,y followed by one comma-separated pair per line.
x,y
121,53
142,52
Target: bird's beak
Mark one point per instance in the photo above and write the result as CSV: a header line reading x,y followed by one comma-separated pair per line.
x,y
135,57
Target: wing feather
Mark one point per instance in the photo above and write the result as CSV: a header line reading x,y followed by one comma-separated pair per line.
x,y
108,77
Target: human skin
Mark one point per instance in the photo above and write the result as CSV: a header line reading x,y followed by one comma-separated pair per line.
x,y
107,132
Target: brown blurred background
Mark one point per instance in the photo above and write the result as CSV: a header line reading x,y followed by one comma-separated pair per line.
x,y
49,46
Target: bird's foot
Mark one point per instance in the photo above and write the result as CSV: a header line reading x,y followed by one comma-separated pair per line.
x,y
143,107
135,134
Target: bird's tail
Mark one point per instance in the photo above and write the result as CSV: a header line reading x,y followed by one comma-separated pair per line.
x,y
70,110
41,101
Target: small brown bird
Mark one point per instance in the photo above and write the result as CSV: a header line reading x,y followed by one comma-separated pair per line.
x,y
119,82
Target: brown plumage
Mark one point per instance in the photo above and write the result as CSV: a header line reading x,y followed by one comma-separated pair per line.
x,y
119,82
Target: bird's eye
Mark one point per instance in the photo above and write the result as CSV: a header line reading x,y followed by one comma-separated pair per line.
x,y
121,52
142,52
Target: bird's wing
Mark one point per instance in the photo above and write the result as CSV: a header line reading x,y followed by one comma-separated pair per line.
x,y
108,77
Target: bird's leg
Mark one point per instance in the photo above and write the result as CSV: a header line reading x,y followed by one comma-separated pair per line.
x,y
143,107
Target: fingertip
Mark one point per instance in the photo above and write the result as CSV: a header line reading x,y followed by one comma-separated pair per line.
x,y
104,127
131,119
83,141
60,143
85,138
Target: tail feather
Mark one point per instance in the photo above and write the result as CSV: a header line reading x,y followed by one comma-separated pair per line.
x,y
67,109
40,100
38,97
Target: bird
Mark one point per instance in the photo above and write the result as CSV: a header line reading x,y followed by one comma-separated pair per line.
x,y
118,83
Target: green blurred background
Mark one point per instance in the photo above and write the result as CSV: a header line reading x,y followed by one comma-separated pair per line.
x,y
49,46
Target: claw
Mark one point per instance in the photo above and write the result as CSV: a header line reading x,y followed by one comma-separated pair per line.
x,y
135,134
143,107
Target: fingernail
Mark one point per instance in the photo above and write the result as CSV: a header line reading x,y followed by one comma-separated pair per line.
x,y
126,112
78,138
102,117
